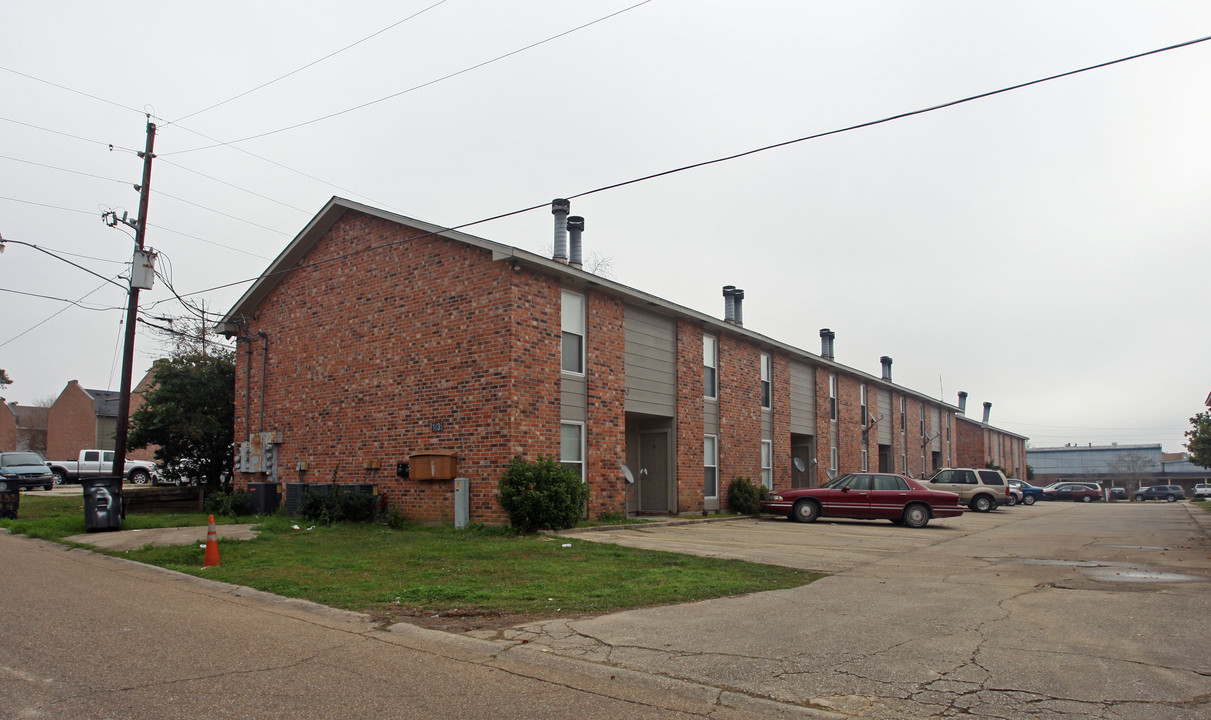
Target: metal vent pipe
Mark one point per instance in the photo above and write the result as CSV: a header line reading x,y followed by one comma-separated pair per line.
x,y
729,303
886,362
575,228
739,297
987,411
560,208
962,402
826,343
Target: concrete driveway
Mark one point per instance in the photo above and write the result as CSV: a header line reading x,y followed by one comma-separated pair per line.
x,y
1052,611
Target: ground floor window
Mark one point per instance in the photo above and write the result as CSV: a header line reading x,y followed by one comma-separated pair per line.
x,y
710,467
767,464
571,446
865,460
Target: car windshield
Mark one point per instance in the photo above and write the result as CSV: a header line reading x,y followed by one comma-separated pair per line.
x,y
838,483
22,460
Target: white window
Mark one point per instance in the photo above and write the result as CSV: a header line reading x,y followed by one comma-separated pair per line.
x,y
903,421
832,459
571,446
710,366
710,466
832,399
766,373
573,333
904,463
865,460
767,464
864,416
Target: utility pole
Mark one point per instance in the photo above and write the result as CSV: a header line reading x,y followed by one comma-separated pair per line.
x,y
132,308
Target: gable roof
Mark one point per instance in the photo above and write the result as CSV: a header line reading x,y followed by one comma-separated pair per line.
x,y
332,211
105,402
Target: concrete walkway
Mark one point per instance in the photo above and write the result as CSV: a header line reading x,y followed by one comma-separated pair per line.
x,y
131,539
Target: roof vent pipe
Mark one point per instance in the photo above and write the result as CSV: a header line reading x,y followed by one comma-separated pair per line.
x,y
739,296
826,343
575,228
962,402
987,411
886,361
560,208
729,303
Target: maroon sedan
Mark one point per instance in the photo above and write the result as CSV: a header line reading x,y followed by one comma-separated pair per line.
x,y
1079,492
864,496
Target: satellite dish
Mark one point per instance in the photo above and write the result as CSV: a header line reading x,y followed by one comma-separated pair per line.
x,y
832,474
800,465
626,473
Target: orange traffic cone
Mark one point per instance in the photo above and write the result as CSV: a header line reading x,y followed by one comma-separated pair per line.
x,y
212,546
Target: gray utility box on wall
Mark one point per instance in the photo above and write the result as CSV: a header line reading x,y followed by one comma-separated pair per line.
x,y
462,502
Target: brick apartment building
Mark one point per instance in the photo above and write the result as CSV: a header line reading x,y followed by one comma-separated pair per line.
x,y
981,445
375,339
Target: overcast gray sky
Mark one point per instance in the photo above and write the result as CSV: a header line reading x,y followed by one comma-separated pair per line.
x,y
1045,250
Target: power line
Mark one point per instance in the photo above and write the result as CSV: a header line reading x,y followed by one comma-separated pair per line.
x,y
69,262
735,156
54,315
77,303
71,90
61,169
310,64
231,143
111,146
231,185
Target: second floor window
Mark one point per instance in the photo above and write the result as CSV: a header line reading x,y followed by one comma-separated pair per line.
x,y
767,464
710,367
832,398
865,418
710,466
572,310
766,372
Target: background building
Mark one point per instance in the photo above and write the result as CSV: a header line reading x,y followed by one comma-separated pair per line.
x,y
1129,466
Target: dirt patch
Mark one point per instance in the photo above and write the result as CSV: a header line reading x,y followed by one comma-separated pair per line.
x,y
458,621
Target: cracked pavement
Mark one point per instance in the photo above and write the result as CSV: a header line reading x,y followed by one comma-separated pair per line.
x,y
1056,611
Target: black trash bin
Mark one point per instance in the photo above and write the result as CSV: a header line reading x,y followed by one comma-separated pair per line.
x,y
102,503
10,502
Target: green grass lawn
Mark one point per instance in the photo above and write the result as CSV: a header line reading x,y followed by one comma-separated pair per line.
x,y
385,571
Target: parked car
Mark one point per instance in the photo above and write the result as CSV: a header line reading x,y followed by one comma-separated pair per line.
x,y
1168,493
1080,492
1118,493
1015,495
1030,493
980,489
99,463
24,471
1202,491
865,496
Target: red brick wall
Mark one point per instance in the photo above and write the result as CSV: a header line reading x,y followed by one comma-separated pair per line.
x,y
8,428
605,445
969,443
71,424
425,344
781,388
690,431
739,412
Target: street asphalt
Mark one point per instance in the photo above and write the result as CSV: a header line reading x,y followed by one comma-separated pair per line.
x,y
1057,611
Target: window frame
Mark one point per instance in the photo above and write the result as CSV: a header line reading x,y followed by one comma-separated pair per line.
x,y
580,435
832,398
767,464
766,365
578,333
713,457
862,400
711,392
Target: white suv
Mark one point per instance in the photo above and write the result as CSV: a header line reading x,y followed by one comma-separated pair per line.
x,y
1202,491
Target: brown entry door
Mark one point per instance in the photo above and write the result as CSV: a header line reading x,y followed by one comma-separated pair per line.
x,y
653,480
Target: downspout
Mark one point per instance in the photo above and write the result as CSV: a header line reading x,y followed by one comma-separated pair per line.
x,y
248,389
264,363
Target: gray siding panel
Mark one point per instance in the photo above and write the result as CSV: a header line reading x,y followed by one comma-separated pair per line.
x,y
573,399
885,411
651,362
803,398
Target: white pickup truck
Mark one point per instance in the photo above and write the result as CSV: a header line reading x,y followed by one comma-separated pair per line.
x,y
1202,491
100,463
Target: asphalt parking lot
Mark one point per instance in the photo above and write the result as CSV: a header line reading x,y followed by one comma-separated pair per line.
x,y
1059,610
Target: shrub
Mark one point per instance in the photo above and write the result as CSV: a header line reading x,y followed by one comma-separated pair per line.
x,y
233,503
542,494
744,497
334,504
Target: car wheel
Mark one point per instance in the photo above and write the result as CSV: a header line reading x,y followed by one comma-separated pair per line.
x,y
805,511
60,477
983,503
916,516
1172,498
139,477
1137,498
1028,500
1011,500
1087,498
